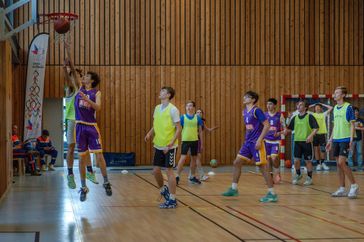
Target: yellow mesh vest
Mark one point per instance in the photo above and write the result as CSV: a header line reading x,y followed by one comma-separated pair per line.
x,y
164,128
320,118
341,125
190,129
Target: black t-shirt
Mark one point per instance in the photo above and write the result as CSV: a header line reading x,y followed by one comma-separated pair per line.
x,y
359,122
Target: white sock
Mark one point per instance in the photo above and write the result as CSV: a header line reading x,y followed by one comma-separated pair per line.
x,y
172,196
342,188
271,190
234,186
353,185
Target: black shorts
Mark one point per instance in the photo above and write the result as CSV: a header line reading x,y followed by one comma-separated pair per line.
x,y
319,140
189,145
164,159
341,149
301,148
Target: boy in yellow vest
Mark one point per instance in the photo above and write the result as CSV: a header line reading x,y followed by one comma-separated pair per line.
x,y
319,141
166,129
341,141
305,127
191,131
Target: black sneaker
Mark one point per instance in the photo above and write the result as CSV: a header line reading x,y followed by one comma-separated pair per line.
x,y
83,192
177,180
107,187
194,180
165,192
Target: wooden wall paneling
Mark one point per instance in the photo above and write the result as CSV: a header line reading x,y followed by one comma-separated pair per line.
x,y
163,32
272,33
213,32
260,28
351,43
196,33
233,28
158,32
302,33
133,40
331,33
277,32
346,31
317,32
248,50
202,32
227,33
182,26
5,108
296,32
355,23
253,44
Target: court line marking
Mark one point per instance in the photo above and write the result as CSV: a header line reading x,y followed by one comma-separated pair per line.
x,y
220,226
323,219
260,222
242,218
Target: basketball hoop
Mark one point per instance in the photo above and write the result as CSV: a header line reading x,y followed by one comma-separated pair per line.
x,y
71,18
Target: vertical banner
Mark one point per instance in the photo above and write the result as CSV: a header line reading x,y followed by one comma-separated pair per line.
x,y
37,56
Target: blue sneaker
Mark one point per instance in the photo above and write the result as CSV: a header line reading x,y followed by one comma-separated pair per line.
x,y
230,193
83,192
269,198
194,180
165,192
168,204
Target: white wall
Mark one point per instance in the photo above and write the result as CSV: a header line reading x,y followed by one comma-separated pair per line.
x,y
53,122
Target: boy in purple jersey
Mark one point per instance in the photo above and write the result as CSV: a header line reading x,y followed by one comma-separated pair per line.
x,y
273,137
257,127
87,102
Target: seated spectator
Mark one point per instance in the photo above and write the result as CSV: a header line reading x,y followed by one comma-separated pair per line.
x,y
19,151
44,146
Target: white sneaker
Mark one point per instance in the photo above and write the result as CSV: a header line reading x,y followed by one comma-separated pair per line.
x,y
325,167
339,193
204,178
353,193
319,167
296,178
308,181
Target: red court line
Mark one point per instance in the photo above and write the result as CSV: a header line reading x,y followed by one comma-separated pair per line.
x,y
260,222
325,220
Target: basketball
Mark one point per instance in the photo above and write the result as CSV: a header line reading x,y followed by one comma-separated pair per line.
x,y
61,25
213,163
288,164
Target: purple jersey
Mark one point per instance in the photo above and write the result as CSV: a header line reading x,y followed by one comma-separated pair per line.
x,y
275,126
254,124
84,112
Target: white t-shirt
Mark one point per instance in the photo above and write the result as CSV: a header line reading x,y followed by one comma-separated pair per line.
x,y
175,118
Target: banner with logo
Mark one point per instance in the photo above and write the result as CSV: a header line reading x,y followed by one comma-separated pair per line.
x,y
37,56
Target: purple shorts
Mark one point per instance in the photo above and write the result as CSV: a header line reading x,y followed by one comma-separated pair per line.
x,y
272,149
88,138
248,152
